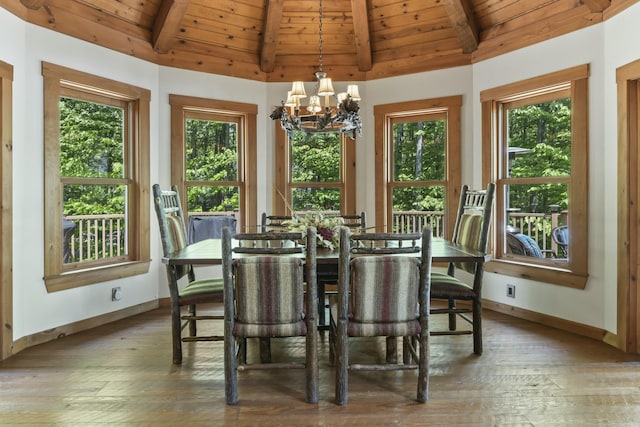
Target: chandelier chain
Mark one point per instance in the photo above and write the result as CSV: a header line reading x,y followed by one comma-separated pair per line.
x,y
320,26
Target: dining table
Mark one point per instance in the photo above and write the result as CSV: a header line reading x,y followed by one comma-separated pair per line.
x,y
209,252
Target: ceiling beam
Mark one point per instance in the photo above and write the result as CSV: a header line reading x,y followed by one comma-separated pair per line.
x,y
464,24
597,5
270,35
32,4
167,24
361,34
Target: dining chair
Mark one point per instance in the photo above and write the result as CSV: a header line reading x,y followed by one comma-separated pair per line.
x,y
173,235
265,276
274,222
355,222
471,229
383,291
560,236
327,279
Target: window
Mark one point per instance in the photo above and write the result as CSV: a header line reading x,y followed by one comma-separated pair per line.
x,y
314,171
96,169
213,156
536,150
418,165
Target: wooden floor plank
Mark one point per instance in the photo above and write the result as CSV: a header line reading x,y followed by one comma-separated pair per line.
x,y
121,374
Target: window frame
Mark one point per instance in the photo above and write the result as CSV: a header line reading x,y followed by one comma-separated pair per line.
x,y
385,115
574,272
283,184
58,81
245,115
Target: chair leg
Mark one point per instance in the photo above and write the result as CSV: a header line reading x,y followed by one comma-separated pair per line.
x,y
423,367
192,323
452,316
176,333
342,363
311,366
231,368
265,350
392,350
332,342
477,326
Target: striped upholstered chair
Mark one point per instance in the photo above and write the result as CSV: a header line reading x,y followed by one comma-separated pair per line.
x,y
173,234
383,291
471,230
264,297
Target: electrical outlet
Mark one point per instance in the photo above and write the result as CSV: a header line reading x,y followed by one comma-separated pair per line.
x,y
116,294
511,291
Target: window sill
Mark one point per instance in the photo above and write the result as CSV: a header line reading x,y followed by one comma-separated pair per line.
x,y
541,273
75,279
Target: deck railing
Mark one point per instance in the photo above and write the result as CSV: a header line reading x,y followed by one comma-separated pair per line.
x,y
92,237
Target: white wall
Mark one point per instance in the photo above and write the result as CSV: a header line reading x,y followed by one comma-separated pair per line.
x,y
604,47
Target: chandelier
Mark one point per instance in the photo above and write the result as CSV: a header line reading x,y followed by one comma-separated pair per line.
x,y
342,116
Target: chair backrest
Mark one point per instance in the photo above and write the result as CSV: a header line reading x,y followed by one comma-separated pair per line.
x,y
269,285
203,227
473,221
274,222
386,283
521,244
560,236
173,232
355,222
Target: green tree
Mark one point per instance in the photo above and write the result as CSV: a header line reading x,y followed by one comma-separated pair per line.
x,y
545,129
91,145
211,156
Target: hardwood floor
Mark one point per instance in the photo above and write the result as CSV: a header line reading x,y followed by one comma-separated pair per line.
x,y
121,374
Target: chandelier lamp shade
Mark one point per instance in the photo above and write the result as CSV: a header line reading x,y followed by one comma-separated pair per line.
x,y
326,111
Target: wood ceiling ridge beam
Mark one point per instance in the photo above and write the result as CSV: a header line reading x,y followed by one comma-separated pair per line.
x,y
32,4
361,34
271,33
597,6
464,24
167,24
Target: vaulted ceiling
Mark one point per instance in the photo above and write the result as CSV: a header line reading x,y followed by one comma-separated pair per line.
x,y
278,40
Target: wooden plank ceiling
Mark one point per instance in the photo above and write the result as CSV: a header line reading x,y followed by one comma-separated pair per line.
x,y
278,40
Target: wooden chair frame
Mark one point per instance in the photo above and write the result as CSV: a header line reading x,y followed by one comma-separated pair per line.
x,y
235,346
415,347
447,287
167,203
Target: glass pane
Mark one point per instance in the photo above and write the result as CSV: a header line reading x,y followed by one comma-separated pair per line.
x,y
212,199
316,199
415,207
539,139
91,139
93,224
315,157
419,150
534,210
211,150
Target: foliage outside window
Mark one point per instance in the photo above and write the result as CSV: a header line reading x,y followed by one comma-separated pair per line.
x,y
418,173
96,168
317,173
213,156
539,163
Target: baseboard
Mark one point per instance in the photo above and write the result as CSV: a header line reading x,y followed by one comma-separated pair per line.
x,y
82,325
551,321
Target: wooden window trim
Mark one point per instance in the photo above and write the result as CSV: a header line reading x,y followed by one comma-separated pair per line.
x,y
242,113
384,114
573,273
138,208
6,209
281,198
